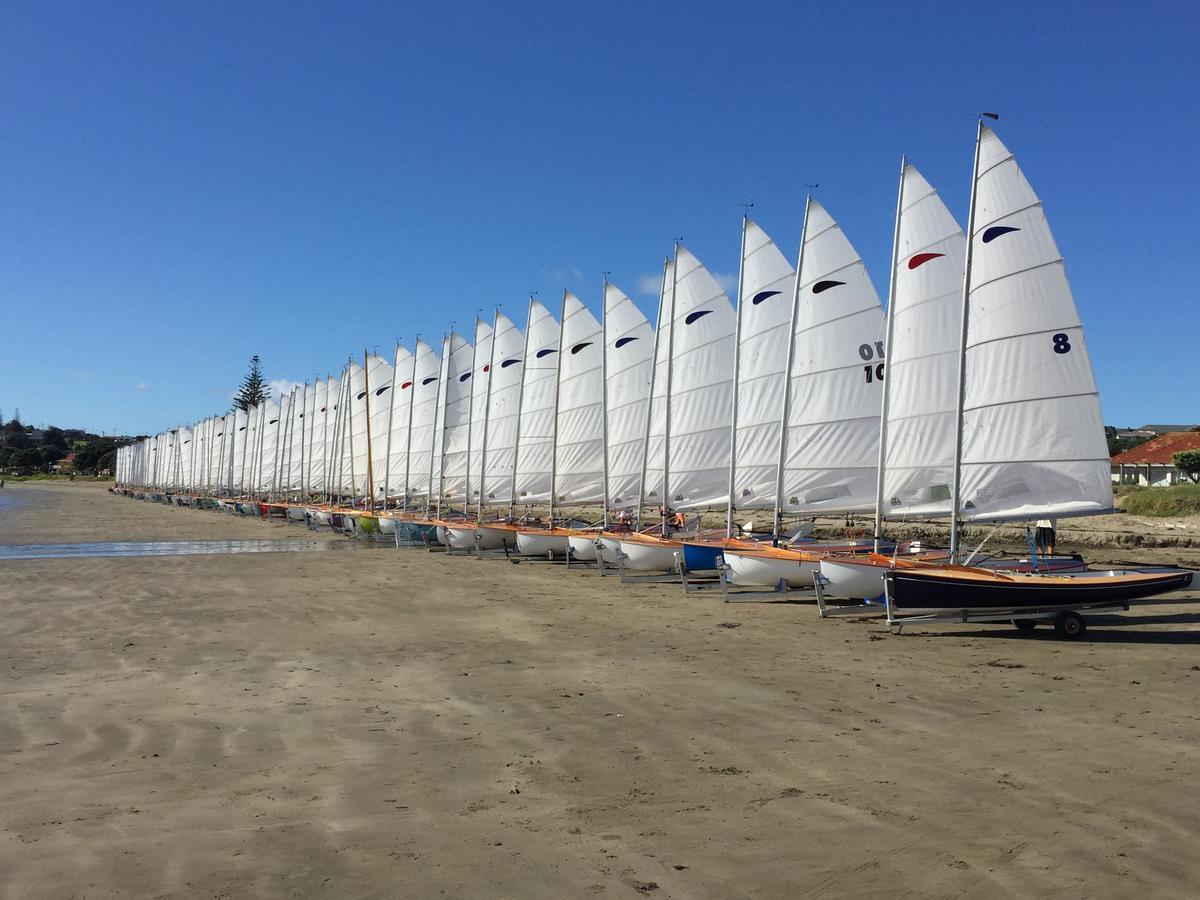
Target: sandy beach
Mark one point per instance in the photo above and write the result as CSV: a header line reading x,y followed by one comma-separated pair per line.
x,y
383,723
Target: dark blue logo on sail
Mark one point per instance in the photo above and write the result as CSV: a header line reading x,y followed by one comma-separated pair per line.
x,y
430,380
995,231
821,286
696,316
763,295
379,393
361,394
579,347
509,362
546,352
464,376
621,342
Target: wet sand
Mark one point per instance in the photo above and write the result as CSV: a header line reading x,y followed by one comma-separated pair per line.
x,y
400,724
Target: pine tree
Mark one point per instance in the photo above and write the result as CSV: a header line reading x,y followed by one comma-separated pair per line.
x,y
254,388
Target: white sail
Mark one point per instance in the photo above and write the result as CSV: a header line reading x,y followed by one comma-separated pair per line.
x,y
1033,436
629,349
693,384
831,440
504,401
295,451
426,392
264,481
329,467
316,441
922,355
238,455
455,418
579,435
481,369
764,313
535,437
379,397
400,419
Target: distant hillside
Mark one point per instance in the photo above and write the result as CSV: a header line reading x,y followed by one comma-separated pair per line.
x,y
25,450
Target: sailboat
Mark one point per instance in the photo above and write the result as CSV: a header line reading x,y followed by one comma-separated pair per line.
x,y
686,456
828,429
1029,436
765,283
460,533
577,445
629,341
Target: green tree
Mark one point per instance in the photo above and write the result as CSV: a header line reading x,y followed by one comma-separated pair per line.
x,y
254,387
1188,462
55,437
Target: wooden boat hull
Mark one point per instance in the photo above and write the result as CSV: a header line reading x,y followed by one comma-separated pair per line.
x,y
978,590
861,578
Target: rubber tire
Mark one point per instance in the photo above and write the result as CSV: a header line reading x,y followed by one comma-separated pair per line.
x,y
1025,625
1070,625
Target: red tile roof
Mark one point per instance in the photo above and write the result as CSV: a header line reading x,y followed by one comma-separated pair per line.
x,y
1159,450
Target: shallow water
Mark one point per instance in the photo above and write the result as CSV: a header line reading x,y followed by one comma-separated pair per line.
x,y
171,548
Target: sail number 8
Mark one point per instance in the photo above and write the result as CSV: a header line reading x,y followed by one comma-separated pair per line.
x,y
868,353
1061,343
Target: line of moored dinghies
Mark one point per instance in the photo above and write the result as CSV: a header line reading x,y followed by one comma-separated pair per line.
x,y
972,400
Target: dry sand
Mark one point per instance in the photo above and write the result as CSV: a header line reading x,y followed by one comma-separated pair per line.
x,y
382,723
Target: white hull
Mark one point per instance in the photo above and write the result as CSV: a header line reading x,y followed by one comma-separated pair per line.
x,y
765,571
583,547
387,525
534,543
461,537
643,556
853,581
609,549
491,538
295,513
442,536
321,516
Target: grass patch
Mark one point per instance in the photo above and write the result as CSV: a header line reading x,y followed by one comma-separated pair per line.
x,y
1177,500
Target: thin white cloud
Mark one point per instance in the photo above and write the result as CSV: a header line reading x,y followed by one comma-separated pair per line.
x,y
728,283
650,285
567,273
281,387
141,386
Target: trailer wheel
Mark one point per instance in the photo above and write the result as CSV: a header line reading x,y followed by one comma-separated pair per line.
x,y
1025,625
1070,625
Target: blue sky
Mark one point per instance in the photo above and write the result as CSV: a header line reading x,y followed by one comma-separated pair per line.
x,y
184,185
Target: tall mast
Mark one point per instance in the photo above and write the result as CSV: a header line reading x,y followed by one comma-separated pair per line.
x,y
737,366
350,398
666,481
370,463
604,394
412,386
303,445
387,451
786,412
437,401
887,349
512,494
487,418
471,419
562,324
956,488
662,299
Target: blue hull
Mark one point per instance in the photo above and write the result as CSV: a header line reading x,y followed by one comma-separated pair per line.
x,y
700,557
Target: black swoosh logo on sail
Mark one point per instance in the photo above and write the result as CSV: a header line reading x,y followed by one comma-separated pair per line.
x,y
621,342
464,376
580,346
763,295
430,380
822,286
361,394
995,231
696,316
379,393
509,362
545,352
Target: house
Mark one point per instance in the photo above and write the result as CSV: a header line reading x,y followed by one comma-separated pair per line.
x,y
1150,463
65,465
